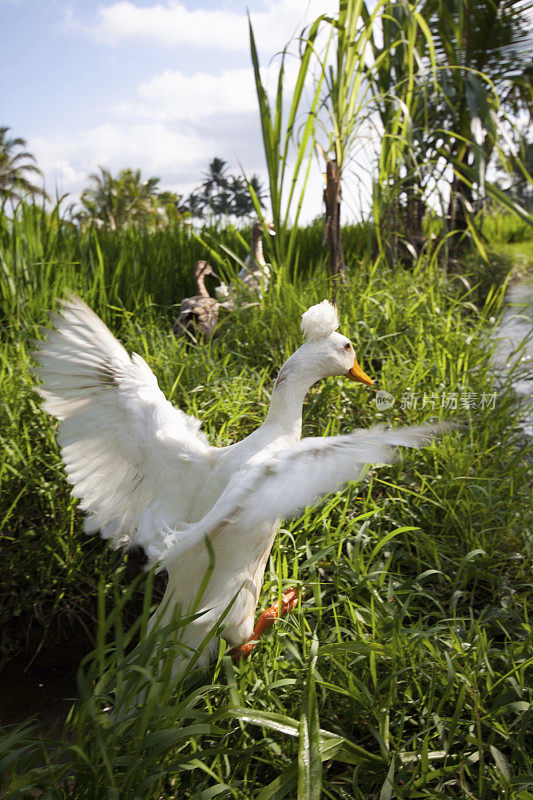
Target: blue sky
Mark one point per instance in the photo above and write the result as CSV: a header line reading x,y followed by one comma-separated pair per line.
x,y
164,85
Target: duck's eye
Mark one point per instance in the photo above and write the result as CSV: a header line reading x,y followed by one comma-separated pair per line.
x,y
347,346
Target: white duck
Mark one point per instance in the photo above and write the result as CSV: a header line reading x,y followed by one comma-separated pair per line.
x,y
146,474
254,277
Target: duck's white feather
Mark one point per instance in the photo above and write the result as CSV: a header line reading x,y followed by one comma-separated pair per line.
x,y
122,442
320,320
291,479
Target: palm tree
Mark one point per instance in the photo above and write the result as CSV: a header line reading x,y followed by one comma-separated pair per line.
x,y
194,205
222,194
217,188
486,49
16,163
122,202
454,98
242,204
216,178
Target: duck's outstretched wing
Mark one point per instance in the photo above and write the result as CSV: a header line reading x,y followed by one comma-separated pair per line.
x,y
294,478
122,442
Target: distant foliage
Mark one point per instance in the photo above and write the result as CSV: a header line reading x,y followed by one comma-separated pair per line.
x,y
17,168
222,194
128,200
125,201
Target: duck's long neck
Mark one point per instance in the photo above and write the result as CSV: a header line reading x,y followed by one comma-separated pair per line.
x,y
285,411
200,285
257,247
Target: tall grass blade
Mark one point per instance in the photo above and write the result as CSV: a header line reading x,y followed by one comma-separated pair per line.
x,y
309,756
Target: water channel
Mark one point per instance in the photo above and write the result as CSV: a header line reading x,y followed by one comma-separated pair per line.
x,y
515,344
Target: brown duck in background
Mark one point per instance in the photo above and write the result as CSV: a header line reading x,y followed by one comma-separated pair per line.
x,y
199,314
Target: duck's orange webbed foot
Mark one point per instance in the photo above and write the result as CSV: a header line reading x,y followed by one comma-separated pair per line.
x,y
289,600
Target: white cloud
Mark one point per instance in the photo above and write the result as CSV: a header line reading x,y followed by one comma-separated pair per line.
x,y
173,95
156,148
171,23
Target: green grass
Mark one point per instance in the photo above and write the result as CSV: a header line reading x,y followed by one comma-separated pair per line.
x,y
520,253
404,672
512,238
509,228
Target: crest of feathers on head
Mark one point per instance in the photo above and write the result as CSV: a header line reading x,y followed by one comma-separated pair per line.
x,y
320,320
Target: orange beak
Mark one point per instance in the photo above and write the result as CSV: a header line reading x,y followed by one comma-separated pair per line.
x,y
357,374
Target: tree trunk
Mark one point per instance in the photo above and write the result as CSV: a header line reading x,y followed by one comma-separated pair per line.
x,y
460,198
414,219
332,224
